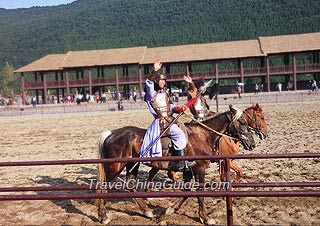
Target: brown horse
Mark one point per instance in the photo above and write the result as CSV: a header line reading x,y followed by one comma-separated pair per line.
x,y
126,143
227,146
257,124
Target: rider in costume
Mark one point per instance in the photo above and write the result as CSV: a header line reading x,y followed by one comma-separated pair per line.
x,y
200,109
162,108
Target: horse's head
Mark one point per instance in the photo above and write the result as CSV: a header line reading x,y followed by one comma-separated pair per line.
x,y
238,128
256,121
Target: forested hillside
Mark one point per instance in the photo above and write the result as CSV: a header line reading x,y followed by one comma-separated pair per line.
x,y
28,34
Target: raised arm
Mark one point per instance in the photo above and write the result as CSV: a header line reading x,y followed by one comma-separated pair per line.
x,y
192,89
156,67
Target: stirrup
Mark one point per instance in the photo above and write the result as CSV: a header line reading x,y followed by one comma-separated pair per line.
x,y
185,165
189,164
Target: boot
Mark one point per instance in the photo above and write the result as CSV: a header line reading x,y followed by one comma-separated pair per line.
x,y
182,165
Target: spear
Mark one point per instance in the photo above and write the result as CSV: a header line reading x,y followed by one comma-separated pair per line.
x,y
188,104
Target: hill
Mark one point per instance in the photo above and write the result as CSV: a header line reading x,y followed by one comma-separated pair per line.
x,y
28,34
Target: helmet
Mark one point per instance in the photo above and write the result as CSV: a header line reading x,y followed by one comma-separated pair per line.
x,y
161,77
199,85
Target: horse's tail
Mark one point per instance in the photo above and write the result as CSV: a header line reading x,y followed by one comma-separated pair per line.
x,y
101,171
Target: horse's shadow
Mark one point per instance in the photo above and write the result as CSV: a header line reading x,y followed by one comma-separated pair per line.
x,y
84,177
67,205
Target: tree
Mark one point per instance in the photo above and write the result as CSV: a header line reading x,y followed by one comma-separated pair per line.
x,y
8,80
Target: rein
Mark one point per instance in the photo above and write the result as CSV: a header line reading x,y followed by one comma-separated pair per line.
x,y
207,127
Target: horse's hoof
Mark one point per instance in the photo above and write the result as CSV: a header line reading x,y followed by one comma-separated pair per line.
x,y
149,214
210,221
169,211
106,221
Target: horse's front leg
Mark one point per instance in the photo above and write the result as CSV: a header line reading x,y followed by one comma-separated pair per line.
x,y
237,169
152,173
187,176
203,216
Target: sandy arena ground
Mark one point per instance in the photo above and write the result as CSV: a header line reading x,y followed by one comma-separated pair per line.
x,y
293,128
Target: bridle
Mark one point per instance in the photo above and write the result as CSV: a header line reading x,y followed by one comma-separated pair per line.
x,y
232,120
253,120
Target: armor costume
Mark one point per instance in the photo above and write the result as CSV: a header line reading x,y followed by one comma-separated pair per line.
x,y
200,109
160,104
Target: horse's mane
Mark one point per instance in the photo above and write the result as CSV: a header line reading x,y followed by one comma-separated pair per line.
x,y
217,114
254,107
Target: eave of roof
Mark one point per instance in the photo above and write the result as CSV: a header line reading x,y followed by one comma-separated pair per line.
x,y
103,57
49,62
290,43
203,52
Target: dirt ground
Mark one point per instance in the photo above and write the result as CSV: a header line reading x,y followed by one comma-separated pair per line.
x,y
293,128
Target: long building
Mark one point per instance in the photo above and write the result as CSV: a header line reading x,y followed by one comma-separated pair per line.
x,y
286,58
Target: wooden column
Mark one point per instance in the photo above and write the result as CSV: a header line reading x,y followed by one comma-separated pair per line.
x,y
294,72
241,74
90,81
45,96
268,73
117,82
23,94
189,67
316,60
57,89
217,86
187,70
67,83
102,76
58,96
140,80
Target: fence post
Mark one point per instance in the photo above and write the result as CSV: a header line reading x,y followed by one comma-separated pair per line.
x,y
228,198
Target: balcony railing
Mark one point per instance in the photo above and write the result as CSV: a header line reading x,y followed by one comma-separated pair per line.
x,y
33,85
107,80
79,82
53,83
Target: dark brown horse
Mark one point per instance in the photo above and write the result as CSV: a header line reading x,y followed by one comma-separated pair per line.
x,y
126,143
256,123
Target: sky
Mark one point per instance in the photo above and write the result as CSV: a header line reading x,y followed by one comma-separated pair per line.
x,y
14,4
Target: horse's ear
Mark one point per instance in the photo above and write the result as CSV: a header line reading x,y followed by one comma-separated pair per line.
x,y
254,104
257,106
230,106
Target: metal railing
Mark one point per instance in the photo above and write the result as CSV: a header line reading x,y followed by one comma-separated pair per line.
x,y
229,193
